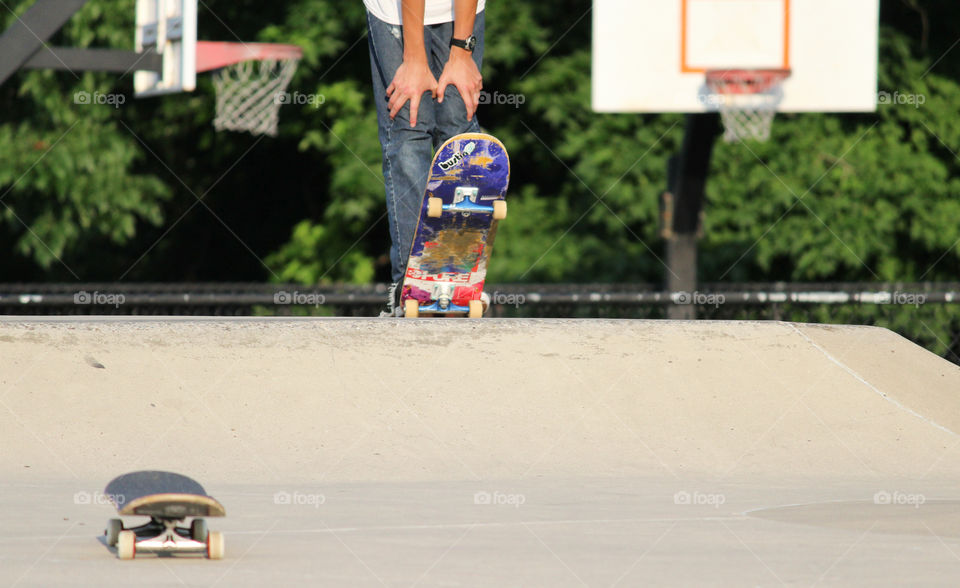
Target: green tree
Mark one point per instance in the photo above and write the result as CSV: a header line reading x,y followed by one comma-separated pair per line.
x,y
69,169
149,191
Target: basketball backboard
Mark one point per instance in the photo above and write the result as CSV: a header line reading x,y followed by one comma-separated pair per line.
x,y
168,27
652,55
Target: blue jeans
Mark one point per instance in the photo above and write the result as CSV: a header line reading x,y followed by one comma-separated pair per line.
x,y
407,152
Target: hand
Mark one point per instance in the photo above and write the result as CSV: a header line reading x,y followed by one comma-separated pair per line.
x,y
409,84
462,73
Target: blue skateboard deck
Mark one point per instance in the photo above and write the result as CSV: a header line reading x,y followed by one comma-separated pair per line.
x,y
464,200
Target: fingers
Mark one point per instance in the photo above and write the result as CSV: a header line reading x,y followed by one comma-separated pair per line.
x,y
409,85
465,76
442,86
414,109
399,100
470,93
470,100
396,103
396,99
393,99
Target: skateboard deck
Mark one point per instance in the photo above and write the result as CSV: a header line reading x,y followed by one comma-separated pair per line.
x,y
463,202
168,499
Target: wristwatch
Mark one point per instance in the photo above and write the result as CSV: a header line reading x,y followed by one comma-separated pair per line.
x,y
469,43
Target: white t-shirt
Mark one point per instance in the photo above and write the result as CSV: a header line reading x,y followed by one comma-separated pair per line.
x,y
435,11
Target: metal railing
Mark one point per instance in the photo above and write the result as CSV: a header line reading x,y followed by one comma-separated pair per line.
x,y
507,299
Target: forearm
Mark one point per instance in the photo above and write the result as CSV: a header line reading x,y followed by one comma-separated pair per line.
x,y
461,70
413,48
464,16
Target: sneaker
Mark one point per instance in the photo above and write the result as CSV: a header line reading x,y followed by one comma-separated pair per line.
x,y
485,300
393,309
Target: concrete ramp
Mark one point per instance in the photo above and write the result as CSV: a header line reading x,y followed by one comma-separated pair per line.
x,y
374,400
381,441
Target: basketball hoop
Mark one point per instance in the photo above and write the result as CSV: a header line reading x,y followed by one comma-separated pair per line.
x,y
747,99
251,81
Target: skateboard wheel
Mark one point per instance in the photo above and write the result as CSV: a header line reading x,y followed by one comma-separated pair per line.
x,y
434,207
411,308
215,545
198,530
114,526
127,545
476,309
499,209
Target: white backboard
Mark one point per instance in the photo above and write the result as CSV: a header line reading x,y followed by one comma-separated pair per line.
x,y
170,28
651,55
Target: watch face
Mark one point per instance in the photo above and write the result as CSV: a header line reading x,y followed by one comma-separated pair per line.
x,y
471,43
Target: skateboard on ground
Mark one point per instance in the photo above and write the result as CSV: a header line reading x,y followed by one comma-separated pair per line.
x,y
463,202
168,499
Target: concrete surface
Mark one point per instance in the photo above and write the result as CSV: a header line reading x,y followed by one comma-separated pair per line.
x,y
356,452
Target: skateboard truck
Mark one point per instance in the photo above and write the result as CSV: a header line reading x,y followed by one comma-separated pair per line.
x,y
442,297
465,201
164,536
443,301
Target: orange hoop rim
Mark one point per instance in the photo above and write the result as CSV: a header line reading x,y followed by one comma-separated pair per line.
x,y
745,81
213,55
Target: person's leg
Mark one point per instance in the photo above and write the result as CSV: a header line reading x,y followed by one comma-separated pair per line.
x,y
452,114
407,152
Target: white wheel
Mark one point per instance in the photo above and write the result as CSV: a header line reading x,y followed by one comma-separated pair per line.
x,y
411,308
499,209
127,545
215,545
434,207
476,309
198,530
114,526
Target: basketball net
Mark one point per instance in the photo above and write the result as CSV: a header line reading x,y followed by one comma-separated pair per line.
x,y
747,100
251,81
249,95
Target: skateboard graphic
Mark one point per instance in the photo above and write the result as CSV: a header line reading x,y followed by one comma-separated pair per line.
x,y
168,499
462,204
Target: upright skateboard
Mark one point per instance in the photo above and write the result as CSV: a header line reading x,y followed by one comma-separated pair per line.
x,y
168,499
464,200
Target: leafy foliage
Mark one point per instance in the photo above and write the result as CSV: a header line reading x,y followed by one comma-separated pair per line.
x,y
148,191
69,168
